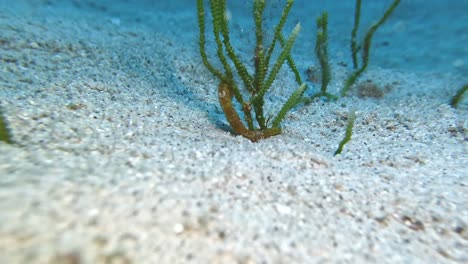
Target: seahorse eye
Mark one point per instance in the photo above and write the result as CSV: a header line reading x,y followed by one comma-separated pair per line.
x,y
222,94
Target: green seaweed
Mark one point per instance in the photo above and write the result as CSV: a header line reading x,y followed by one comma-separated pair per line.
x,y
365,47
5,132
321,52
235,79
458,96
349,131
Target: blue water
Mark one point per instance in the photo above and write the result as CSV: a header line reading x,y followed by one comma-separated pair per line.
x,y
421,35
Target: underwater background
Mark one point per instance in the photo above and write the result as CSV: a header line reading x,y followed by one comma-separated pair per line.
x,y
122,153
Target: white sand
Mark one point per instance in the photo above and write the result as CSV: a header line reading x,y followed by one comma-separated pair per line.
x,y
126,157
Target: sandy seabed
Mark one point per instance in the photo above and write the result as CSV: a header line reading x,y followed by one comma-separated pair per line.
x,y
124,155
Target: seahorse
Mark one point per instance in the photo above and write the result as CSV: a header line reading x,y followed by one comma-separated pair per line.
x,y
225,99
